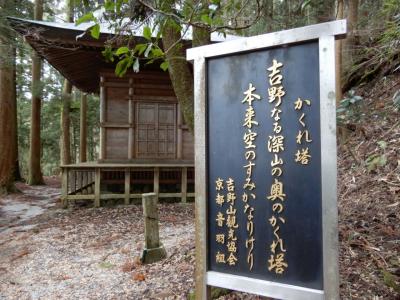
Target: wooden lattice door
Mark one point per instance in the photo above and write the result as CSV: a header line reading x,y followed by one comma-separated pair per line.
x,y
155,130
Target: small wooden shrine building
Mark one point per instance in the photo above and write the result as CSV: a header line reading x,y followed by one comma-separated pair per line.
x,y
144,143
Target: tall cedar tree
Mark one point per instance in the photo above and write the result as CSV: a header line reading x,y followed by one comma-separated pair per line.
x,y
35,174
349,44
65,146
8,106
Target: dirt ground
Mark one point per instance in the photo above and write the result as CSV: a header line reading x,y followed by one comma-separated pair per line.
x,y
85,253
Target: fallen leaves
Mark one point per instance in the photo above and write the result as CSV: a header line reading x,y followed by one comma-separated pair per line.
x,y
20,254
131,264
138,277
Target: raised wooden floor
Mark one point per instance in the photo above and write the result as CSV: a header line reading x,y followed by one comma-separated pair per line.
x,y
83,181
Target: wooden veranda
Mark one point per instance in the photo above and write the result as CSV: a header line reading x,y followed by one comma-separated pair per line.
x,y
88,181
145,144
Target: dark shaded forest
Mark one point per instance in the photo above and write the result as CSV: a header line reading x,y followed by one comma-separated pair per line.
x,y
89,251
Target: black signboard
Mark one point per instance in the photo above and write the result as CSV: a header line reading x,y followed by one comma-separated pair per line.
x,y
265,143
284,241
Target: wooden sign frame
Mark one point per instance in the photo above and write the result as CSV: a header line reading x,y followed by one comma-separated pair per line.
x,y
325,34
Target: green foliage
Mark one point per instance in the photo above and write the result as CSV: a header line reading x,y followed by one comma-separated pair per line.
x,y
152,17
376,161
396,100
349,108
390,281
106,265
147,33
131,57
380,49
89,17
164,66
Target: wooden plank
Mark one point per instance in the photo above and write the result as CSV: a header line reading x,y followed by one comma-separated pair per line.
x,y
149,164
112,196
73,181
81,197
79,180
170,195
114,125
187,145
154,86
154,98
134,196
83,129
184,184
97,187
132,120
127,185
117,143
116,84
85,182
156,185
64,187
122,196
131,137
179,143
102,119
117,101
148,74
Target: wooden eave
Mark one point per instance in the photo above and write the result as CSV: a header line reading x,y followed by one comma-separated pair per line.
x,y
78,60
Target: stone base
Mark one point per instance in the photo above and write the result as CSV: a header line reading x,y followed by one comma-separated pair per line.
x,y
153,255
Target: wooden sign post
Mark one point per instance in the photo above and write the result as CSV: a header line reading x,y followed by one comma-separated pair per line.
x,y
265,128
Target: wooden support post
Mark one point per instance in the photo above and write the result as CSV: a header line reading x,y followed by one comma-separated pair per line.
x,y
154,250
72,180
127,185
179,144
92,181
184,184
156,185
97,187
79,181
83,129
64,187
131,114
85,183
102,118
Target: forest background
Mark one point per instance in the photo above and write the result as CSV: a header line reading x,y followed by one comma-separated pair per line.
x,y
370,51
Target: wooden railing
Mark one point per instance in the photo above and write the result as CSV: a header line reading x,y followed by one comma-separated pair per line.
x,y
83,181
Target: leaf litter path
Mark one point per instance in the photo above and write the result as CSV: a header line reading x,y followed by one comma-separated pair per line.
x,y
86,253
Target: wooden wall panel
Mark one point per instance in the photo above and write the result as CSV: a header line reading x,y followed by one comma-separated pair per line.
x,y
117,143
141,119
117,107
187,145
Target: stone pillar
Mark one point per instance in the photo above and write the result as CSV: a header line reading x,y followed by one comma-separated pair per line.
x,y
154,250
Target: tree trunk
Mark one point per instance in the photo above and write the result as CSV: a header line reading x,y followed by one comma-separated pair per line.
x,y
349,44
17,172
181,77
339,94
287,14
7,113
269,14
35,173
65,146
179,71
